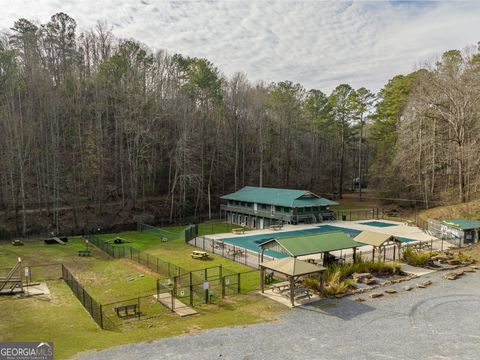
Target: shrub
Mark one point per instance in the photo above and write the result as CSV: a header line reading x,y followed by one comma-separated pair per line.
x,y
417,258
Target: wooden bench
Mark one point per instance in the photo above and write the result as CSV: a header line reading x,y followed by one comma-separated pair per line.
x,y
238,231
202,255
84,253
17,242
126,310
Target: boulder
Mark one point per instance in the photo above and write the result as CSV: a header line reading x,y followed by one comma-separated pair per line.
x,y
361,277
391,291
376,295
407,288
360,299
453,262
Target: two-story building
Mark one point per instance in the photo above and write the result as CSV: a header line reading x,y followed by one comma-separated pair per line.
x,y
260,207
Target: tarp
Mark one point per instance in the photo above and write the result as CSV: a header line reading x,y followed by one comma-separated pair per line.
x,y
292,267
311,244
374,238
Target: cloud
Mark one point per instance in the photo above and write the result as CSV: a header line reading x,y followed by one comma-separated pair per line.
x,y
319,44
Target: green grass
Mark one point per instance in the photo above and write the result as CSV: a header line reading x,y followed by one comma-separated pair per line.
x,y
63,320
177,252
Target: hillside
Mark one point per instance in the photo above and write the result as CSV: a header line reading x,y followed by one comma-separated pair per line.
x,y
466,210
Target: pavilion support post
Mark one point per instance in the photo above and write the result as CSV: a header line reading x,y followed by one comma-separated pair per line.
x,y
262,278
292,293
322,283
394,250
261,257
354,254
373,254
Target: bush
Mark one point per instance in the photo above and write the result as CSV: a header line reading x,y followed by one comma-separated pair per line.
x,y
337,275
417,258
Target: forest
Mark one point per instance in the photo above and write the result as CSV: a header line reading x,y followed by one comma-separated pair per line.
x,y
91,121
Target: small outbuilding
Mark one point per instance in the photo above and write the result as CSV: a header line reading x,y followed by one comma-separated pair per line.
x,y
461,231
379,241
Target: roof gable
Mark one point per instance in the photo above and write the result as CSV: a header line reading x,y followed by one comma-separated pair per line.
x,y
278,197
373,238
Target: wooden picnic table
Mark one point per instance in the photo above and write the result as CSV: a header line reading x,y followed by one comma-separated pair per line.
x,y
238,231
298,292
281,286
202,255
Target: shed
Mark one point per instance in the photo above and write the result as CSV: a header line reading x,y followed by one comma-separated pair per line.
x,y
378,241
463,231
292,268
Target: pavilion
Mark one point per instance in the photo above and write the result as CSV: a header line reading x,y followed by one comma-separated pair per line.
x,y
379,241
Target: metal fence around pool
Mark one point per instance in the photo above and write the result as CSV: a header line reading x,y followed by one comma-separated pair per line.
x,y
253,259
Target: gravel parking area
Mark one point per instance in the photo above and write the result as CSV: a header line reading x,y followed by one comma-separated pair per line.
x,y
438,322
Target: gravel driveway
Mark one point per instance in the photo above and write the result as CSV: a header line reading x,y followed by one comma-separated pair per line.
x,y
439,322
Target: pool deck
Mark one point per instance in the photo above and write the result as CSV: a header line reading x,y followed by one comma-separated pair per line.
x,y
400,229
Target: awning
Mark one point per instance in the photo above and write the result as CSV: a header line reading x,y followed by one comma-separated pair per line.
x,y
374,238
292,267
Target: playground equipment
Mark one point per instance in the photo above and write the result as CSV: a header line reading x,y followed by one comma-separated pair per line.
x,y
13,280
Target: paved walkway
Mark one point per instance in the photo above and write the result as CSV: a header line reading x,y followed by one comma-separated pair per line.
x,y
438,322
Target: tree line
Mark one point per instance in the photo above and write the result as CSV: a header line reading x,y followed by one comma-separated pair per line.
x,y
89,119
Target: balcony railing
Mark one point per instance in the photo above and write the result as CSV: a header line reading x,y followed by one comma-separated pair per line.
x,y
259,212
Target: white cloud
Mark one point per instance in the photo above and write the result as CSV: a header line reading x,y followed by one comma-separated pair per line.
x,y
319,44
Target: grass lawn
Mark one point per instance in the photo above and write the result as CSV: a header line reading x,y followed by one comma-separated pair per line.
x,y
62,319
177,252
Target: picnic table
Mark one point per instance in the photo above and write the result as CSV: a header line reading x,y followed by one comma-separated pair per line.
x,y
238,231
301,292
84,253
409,223
276,227
281,286
202,255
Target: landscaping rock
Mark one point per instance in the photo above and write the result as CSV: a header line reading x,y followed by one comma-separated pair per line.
x,y
408,288
453,275
453,262
364,278
391,291
426,283
360,299
376,295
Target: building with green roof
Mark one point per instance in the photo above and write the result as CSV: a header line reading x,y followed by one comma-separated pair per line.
x,y
461,231
260,207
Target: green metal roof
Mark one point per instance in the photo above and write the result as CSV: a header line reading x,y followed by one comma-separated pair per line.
x,y
313,244
278,197
463,224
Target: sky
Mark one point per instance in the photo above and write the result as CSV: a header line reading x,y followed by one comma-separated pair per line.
x,y
318,44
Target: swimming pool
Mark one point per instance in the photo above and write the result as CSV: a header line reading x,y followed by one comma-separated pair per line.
x,y
380,224
251,242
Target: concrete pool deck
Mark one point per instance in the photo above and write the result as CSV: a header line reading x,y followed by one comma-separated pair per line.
x,y
399,229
